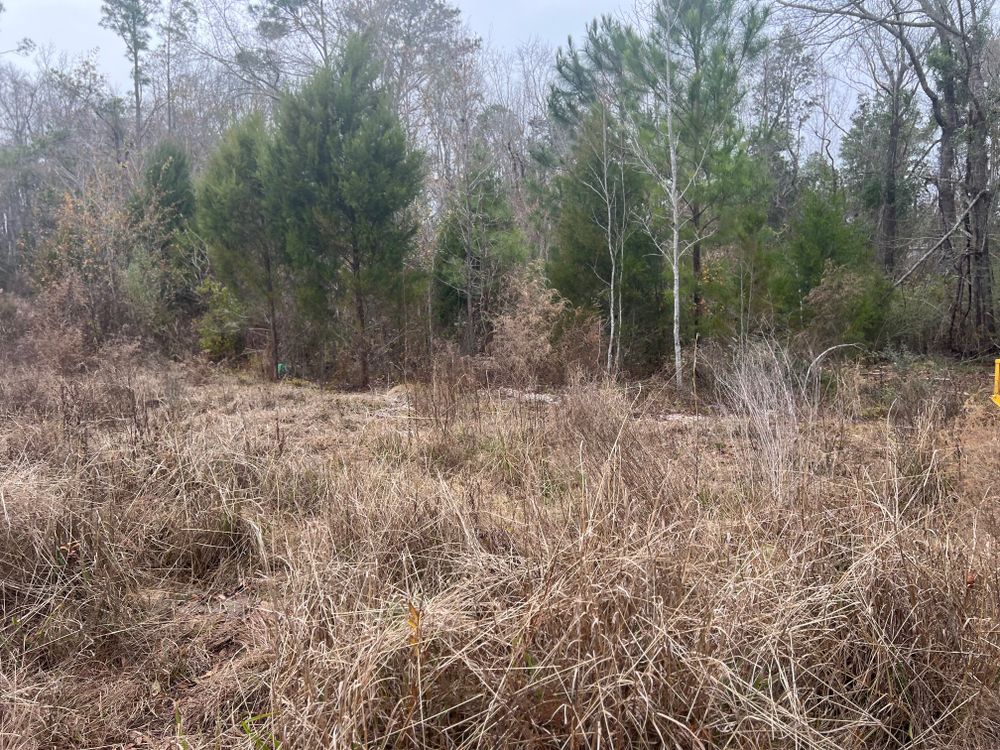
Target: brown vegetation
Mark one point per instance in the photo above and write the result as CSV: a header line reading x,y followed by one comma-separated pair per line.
x,y
189,559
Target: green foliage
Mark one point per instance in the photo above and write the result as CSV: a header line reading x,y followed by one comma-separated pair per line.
x,y
146,286
822,278
712,41
343,174
579,266
131,20
234,207
819,235
479,251
167,183
343,180
318,207
221,329
917,318
849,305
162,295
167,202
782,102
259,736
746,294
738,272
886,141
679,83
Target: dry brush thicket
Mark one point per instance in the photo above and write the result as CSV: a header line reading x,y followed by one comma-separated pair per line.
x,y
189,559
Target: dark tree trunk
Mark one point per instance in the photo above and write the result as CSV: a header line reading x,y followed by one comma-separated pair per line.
x,y
973,325
699,303
889,223
137,94
469,334
359,309
272,319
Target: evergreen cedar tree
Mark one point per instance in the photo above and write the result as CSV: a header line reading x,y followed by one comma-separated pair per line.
x,y
335,180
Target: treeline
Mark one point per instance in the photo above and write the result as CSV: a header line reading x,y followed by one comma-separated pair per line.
x,y
341,190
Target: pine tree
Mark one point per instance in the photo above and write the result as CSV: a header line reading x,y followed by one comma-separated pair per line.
x,y
167,267
713,41
234,202
168,184
881,163
819,236
132,20
345,179
681,82
599,195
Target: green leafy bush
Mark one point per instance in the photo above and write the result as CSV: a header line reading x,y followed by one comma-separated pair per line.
x,y
221,330
848,306
818,236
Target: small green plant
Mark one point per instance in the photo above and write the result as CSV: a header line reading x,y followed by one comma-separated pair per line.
x,y
257,736
182,743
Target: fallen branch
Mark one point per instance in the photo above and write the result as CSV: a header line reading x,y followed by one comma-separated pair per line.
x,y
939,243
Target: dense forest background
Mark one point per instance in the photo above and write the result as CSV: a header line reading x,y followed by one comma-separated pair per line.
x,y
345,190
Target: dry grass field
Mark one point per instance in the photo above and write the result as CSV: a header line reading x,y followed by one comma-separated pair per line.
x,y
193,559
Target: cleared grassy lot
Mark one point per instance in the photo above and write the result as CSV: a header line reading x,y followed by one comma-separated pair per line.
x,y
189,559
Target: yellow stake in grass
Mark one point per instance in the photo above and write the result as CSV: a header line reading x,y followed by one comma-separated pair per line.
x,y
996,384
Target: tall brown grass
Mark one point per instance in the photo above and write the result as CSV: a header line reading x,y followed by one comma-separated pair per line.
x,y
188,560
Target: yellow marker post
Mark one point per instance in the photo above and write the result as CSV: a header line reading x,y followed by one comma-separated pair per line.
x,y
996,384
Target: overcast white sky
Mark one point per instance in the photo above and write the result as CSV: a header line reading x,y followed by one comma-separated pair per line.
x,y
72,25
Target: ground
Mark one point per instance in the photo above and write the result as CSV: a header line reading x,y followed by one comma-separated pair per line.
x,y
191,558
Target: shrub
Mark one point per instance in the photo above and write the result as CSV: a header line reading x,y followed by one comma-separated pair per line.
x,y
63,336
918,315
134,269
541,340
847,306
14,321
142,283
222,329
